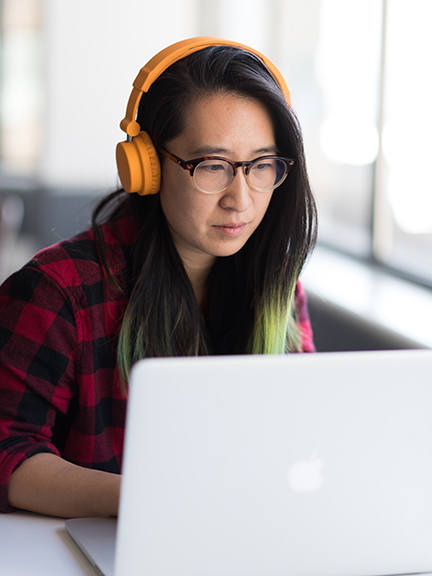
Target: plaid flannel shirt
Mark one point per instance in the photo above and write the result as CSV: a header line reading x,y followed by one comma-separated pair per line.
x,y
60,389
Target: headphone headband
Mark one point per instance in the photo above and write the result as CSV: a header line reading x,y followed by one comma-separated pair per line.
x,y
159,63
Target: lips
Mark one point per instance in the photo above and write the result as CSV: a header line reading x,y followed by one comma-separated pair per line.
x,y
232,229
232,225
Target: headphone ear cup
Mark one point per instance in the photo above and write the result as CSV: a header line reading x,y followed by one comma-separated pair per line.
x,y
138,165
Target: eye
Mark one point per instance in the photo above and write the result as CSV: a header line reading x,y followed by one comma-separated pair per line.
x,y
212,166
263,165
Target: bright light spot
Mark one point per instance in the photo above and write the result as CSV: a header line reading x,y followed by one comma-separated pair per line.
x,y
351,140
414,215
408,116
410,196
409,187
347,70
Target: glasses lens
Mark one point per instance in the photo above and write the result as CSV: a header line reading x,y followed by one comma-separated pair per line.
x,y
213,175
267,173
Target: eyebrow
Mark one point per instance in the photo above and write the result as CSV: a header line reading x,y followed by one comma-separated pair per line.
x,y
216,151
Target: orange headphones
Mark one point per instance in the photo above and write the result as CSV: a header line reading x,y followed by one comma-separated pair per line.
x,y
137,160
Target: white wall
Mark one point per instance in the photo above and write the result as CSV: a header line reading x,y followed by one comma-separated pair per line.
x,y
93,51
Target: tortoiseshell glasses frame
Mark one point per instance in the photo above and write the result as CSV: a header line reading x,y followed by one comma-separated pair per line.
x,y
280,165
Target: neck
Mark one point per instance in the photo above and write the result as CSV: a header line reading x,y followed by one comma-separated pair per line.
x,y
198,271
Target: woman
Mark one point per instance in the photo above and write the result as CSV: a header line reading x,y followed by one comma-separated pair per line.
x,y
207,265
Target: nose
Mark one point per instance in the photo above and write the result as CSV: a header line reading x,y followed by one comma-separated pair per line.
x,y
237,196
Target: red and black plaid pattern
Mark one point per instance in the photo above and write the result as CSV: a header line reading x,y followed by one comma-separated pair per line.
x,y
59,384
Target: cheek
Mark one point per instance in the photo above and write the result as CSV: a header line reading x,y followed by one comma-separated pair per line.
x,y
173,195
185,209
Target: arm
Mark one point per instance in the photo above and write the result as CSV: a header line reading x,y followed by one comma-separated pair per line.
x,y
57,408
50,485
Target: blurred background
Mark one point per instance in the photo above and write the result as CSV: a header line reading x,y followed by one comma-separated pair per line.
x,y
361,84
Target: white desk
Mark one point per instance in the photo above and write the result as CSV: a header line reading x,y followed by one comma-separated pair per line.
x,y
34,545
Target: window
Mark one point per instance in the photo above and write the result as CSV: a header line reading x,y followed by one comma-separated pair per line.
x,y
403,224
346,134
368,142
21,80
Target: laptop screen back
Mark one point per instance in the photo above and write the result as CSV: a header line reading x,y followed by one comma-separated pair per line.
x,y
267,465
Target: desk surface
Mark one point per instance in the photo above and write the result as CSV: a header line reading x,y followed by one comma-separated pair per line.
x,y
36,545
31,544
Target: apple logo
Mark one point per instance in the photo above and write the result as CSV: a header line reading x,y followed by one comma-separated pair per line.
x,y
306,475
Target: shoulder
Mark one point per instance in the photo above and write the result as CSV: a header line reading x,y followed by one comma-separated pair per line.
x,y
303,320
75,262
71,263
300,301
67,277
49,290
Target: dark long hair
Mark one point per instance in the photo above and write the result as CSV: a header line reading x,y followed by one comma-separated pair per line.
x,y
250,301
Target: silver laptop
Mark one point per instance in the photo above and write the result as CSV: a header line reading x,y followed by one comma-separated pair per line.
x,y
303,465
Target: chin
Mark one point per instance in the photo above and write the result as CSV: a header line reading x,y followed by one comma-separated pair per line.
x,y
228,250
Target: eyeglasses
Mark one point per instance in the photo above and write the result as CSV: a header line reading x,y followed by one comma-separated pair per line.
x,y
212,174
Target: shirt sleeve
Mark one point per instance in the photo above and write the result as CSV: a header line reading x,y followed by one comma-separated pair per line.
x,y
303,320
38,336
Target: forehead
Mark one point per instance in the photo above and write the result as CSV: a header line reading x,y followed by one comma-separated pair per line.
x,y
226,122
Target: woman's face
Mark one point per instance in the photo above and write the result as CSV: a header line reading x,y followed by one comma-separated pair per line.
x,y
204,226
